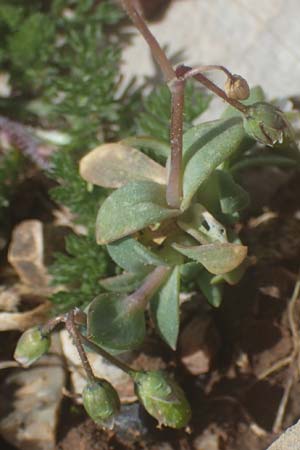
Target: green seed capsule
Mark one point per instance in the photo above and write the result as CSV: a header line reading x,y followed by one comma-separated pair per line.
x,y
101,402
31,346
266,124
162,398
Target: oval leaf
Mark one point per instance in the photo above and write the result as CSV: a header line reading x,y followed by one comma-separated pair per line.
x,y
114,165
165,309
133,256
217,258
132,208
233,197
159,147
112,325
126,282
200,224
212,292
206,146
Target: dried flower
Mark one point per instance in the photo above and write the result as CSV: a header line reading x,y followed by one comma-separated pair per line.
x,y
237,88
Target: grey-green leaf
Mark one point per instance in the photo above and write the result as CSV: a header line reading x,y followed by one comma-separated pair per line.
x,y
233,197
132,208
133,256
112,324
158,146
206,146
165,309
125,282
212,292
217,258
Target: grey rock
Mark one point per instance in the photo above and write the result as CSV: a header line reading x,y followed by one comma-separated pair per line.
x,y
29,406
289,440
26,253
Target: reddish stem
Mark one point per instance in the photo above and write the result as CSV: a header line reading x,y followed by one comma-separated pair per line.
x,y
185,72
174,187
140,298
158,53
76,336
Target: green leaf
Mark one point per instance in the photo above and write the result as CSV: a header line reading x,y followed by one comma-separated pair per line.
x,y
165,309
159,147
262,161
234,276
133,256
217,258
113,324
212,292
233,197
201,225
126,282
116,164
190,271
132,208
206,146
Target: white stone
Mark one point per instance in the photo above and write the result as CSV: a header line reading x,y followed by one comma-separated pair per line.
x,y
258,39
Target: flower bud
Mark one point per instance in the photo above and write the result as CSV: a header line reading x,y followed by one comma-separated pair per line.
x,y
266,124
162,398
31,346
101,402
236,87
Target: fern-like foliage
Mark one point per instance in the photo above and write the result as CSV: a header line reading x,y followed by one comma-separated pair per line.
x,y
79,269
154,120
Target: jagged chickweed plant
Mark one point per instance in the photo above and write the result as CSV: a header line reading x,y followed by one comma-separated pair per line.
x,y
162,223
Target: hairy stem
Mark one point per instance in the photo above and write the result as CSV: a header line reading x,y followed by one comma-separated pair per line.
x,y
207,68
77,339
158,53
174,187
140,297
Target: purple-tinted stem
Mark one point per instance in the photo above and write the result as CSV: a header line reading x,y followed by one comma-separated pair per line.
x,y
183,72
77,340
140,298
158,53
174,187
